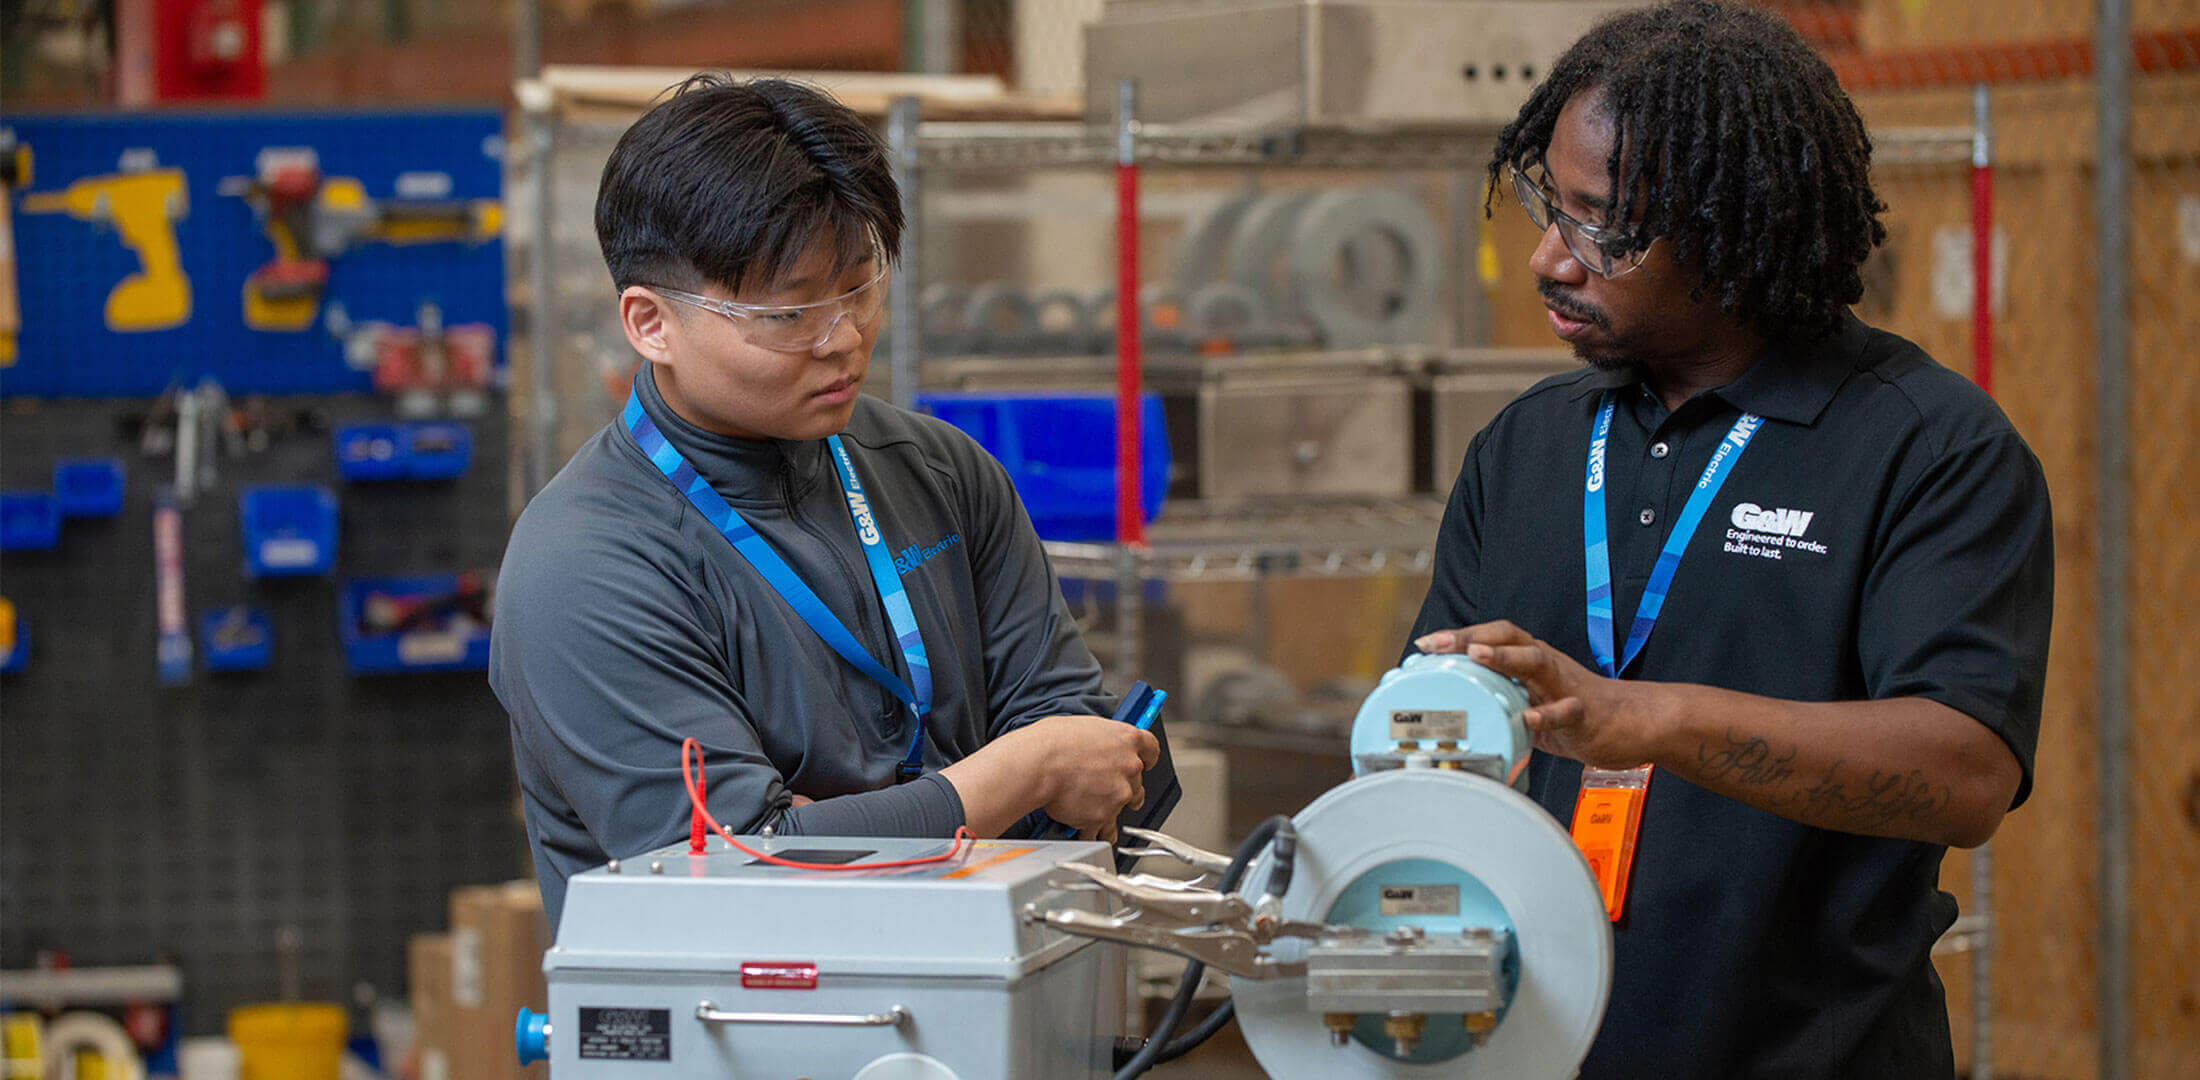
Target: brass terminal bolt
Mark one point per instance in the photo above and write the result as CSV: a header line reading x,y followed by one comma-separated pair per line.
x,y
1405,1030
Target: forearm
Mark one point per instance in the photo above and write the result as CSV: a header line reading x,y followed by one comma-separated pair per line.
x,y
996,787
1907,768
927,806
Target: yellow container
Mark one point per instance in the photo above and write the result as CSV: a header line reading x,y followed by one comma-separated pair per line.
x,y
293,1041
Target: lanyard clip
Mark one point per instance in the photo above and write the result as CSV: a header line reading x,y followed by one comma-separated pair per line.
x,y
907,771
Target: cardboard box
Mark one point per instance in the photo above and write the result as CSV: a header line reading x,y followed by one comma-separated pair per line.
x,y
428,973
498,935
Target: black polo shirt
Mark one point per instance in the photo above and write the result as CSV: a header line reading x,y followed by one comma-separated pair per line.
x,y
1886,534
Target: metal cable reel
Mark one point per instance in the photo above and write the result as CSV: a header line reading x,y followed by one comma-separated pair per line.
x,y
1366,267
943,312
1059,316
1160,314
1000,318
1204,253
1257,249
1226,310
1245,696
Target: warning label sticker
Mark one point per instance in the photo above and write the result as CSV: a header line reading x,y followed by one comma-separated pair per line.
x,y
625,1034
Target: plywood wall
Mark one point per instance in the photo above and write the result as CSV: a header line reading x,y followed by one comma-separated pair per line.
x,y
2046,858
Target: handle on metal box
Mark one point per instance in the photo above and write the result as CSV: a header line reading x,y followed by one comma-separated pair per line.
x,y
712,1014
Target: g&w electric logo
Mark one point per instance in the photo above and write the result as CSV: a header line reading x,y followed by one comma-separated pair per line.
x,y
909,558
1733,443
1770,534
861,508
1758,519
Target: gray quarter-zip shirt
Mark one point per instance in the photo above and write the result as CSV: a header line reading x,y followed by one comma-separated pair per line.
x,y
626,623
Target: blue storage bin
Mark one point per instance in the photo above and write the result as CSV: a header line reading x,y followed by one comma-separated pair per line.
x,y
29,521
89,487
288,531
237,639
439,647
438,450
371,452
1059,448
424,450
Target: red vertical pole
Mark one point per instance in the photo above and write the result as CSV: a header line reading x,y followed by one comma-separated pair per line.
x,y
1130,517
1982,370
1982,246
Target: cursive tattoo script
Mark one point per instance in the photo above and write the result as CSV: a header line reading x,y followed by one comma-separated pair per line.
x,y
1873,803
1746,760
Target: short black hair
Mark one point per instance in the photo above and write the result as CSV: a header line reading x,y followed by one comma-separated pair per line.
x,y
1737,143
731,183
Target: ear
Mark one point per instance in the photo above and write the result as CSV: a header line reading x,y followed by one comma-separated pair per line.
x,y
649,324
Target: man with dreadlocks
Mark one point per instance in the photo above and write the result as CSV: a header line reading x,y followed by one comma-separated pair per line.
x,y
1844,550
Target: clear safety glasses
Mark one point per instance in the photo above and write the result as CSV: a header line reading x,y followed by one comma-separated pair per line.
x,y
1607,251
796,327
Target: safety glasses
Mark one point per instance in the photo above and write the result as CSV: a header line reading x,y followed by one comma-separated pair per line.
x,y
1608,251
796,327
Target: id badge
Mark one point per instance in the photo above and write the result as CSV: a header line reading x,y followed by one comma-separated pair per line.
x,y
1607,815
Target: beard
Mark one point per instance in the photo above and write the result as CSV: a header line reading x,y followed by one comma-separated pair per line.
x,y
1603,358
1606,359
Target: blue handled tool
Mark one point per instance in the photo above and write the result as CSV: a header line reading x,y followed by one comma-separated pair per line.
x,y
1140,707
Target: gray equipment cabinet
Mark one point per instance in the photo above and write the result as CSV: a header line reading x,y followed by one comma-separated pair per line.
x,y
706,966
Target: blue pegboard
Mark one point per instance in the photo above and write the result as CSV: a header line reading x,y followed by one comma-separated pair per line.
x,y
67,268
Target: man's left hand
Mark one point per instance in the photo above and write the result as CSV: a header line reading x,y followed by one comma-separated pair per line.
x,y
1576,712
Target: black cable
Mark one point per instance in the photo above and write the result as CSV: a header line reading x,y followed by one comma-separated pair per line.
x,y
1279,880
1205,1031
1158,1048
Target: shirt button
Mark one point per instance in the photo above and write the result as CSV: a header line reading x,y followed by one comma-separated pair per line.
x,y
1647,516
1658,449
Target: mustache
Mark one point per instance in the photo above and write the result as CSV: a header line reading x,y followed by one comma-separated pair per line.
x,y
1568,306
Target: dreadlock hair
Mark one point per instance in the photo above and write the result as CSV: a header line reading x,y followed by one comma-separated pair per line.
x,y
1736,143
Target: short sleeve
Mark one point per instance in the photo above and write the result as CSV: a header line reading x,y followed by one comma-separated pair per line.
x,y
1957,605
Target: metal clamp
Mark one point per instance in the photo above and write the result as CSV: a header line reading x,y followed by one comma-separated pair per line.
x,y
893,1017
1161,843
1215,928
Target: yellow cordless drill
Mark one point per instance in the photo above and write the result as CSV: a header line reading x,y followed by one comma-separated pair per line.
x,y
142,207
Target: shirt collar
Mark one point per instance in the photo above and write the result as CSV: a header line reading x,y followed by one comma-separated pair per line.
x,y
1792,382
746,472
1796,382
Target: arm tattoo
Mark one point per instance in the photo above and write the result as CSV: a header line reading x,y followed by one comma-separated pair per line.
x,y
1876,802
1747,760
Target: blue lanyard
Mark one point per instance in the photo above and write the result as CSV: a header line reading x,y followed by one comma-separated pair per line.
x,y
797,592
1598,551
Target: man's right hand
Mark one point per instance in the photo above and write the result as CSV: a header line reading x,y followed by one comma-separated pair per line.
x,y
1082,770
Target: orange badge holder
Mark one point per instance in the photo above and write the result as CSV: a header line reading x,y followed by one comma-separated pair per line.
x,y
1607,816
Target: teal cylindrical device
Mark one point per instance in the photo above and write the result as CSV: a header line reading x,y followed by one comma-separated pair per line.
x,y
1444,703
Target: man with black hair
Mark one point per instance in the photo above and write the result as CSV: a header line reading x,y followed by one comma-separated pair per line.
x,y
1844,551
843,602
